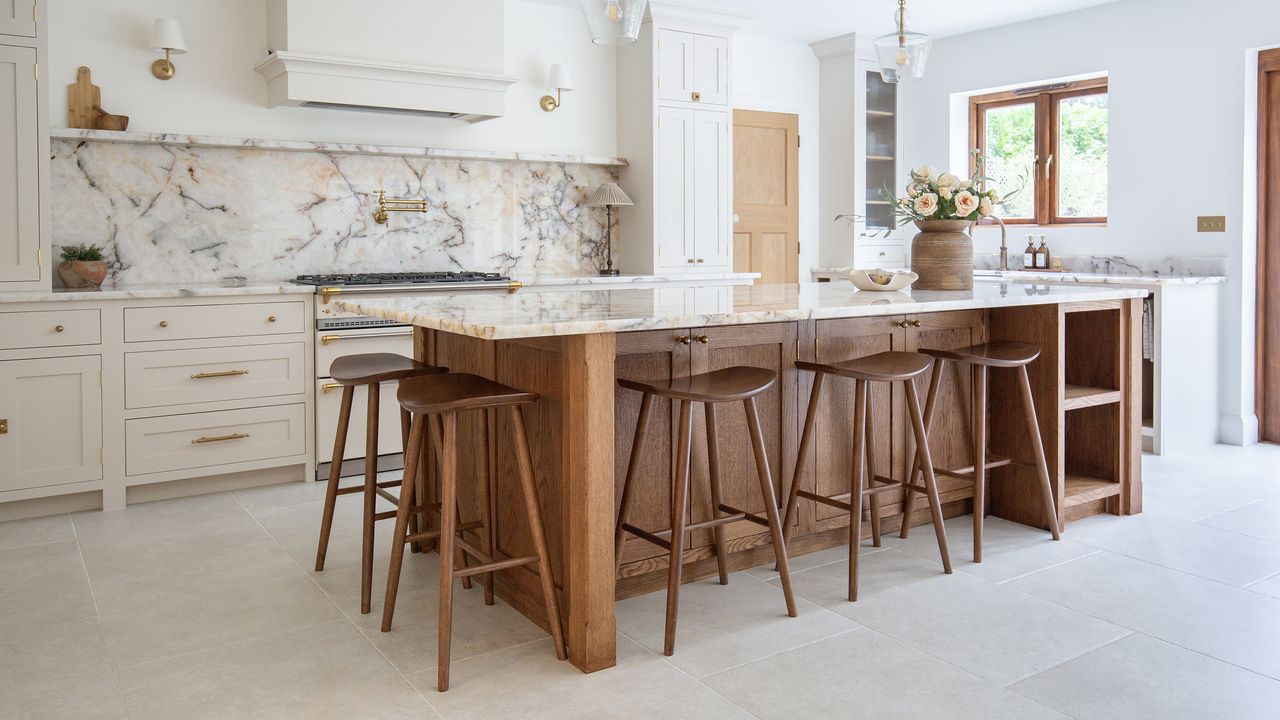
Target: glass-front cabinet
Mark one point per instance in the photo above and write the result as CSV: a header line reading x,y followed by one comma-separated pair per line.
x,y
878,150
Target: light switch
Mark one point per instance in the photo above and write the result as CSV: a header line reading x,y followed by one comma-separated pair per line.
x,y
1211,223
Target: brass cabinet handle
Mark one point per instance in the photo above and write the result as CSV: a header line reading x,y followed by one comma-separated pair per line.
x,y
701,260
330,386
903,323
164,323
58,328
684,340
271,318
691,260
703,339
219,438
917,323
326,339
4,426
697,96
224,373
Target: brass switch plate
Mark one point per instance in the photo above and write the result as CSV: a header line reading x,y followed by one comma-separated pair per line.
x,y
1211,223
4,426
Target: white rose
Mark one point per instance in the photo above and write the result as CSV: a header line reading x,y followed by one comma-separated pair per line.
x,y
994,196
927,173
984,207
926,204
965,184
948,180
944,192
966,203
913,190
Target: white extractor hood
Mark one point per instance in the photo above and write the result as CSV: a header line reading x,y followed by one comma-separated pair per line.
x,y
437,58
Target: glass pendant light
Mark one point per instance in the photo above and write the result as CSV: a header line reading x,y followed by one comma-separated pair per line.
x,y
902,55
614,22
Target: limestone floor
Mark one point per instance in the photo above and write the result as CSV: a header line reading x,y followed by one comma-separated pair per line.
x,y
207,607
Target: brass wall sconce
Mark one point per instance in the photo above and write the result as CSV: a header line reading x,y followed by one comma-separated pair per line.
x,y
557,78
166,37
389,205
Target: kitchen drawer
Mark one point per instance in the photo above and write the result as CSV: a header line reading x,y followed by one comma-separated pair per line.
x,y
200,440
49,328
878,256
333,345
329,402
177,377
189,322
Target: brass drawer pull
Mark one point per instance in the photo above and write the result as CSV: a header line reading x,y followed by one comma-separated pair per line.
x,y
691,260
271,318
701,260
4,426
703,339
224,373
219,438
164,323
330,386
326,339
58,328
684,340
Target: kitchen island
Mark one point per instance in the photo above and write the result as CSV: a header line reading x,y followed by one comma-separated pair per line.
x,y
571,346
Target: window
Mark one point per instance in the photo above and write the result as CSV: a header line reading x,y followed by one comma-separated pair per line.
x,y
1053,138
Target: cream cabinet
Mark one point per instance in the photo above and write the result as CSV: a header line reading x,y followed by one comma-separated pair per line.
x,y
692,67
20,169
18,18
50,422
692,166
329,402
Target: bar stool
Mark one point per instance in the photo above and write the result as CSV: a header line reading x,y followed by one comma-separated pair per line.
x,y
887,367
436,400
369,370
1012,355
730,384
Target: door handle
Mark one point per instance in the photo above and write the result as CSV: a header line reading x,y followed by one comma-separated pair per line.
x,y
684,340
224,373
330,386
703,339
4,426
219,438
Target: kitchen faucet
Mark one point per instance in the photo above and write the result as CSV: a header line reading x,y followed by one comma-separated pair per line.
x,y
1004,244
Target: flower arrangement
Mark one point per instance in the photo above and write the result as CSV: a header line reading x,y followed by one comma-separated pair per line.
x,y
931,195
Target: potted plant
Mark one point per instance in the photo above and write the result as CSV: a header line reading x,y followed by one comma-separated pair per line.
x,y
82,266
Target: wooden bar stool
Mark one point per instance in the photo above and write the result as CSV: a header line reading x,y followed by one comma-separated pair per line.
x,y
888,367
1012,355
726,385
369,370
436,400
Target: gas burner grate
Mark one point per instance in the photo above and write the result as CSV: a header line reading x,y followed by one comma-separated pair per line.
x,y
425,278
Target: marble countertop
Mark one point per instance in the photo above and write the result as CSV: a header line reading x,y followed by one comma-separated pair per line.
x,y
143,292
540,314
1067,277
693,277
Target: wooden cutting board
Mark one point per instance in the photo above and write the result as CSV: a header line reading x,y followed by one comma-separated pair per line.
x,y
82,99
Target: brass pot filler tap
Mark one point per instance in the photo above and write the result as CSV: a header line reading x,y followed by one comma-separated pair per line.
x,y
389,205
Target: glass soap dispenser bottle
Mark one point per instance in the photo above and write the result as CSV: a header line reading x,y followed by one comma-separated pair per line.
x,y
1043,253
1029,256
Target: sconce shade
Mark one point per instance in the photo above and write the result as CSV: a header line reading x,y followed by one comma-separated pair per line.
x,y
608,195
558,78
166,34
614,22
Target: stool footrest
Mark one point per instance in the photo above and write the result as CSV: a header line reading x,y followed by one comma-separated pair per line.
x,y
966,473
433,534
387,495
384,515
832,502
360,488
734,516
646,535
495,565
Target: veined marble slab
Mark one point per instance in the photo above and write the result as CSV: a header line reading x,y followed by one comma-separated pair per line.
x,y
540,314
215,141
1095,279
1120,265
628,278
114,291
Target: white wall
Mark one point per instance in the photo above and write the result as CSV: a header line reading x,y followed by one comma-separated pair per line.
x,y
217,92
1180,78
782,76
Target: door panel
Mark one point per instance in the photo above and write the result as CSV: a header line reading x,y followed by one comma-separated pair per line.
x,y
675,65
711,188
674,171
766,195
19,167
711,69
17,17
53,413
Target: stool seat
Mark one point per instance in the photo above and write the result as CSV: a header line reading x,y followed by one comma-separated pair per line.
x,y
881,367
724,385
369,368
439,394
1002,354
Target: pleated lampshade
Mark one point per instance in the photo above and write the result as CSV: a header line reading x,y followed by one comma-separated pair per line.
x,y
608,194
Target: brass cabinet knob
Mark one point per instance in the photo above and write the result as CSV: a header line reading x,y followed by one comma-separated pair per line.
x,y
701,260
58,328
903,323
164,323
703,339
691,261
271,318
683,340
917,323
697,96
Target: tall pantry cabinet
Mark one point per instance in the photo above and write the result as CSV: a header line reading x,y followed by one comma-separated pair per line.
x,y
675,124
24,148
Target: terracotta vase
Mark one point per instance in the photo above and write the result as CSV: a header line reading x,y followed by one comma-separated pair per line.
x,y
80,274
942,255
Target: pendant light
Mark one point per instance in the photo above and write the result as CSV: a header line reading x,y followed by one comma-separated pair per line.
x,y
614,22
902,55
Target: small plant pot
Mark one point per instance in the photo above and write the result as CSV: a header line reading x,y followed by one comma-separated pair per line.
x,y
81,274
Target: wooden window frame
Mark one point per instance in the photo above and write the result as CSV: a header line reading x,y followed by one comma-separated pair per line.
x,y
1267,340
1047,101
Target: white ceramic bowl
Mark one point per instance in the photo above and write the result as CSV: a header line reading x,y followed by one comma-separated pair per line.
x,y
900,280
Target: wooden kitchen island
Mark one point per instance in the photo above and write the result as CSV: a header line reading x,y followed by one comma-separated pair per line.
x,y
571,347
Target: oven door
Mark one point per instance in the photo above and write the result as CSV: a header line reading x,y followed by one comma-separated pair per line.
x,y
333,344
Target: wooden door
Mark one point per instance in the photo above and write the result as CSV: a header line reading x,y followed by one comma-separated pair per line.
x,y
675,187
711,189
18,17
19,167
51,409
766,195
1268,316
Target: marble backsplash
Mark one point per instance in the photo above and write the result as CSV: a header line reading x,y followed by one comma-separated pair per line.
x,y
1135,265
166,212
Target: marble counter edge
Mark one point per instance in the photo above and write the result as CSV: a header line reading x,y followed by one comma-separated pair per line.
x,y
141,292
1072,278
671,278
216,141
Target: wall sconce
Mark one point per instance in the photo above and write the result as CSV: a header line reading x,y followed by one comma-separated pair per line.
x,y
166,37
558,79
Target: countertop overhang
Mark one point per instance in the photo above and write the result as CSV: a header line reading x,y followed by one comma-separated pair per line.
x,y
529,313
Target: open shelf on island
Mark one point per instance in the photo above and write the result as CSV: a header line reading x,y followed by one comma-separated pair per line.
x,y
1083,396
1081,489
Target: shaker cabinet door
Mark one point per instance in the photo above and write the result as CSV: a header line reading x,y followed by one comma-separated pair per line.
x,y
19,167
18,17
711,69
50,422
675,187
711,189
675,65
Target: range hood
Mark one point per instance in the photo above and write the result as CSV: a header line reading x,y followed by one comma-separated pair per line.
x,y
323,81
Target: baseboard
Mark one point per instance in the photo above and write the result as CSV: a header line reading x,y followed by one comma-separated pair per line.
x,y
1238,429
52,505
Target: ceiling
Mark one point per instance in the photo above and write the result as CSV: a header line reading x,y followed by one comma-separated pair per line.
x,y
810,20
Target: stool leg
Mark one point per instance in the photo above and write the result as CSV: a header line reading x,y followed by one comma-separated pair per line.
x,y
856,484
370,498
979,457
806,436
1037,445
487,490
679,503
535,528
448,531
925,458
414,523
908,503
460,559
633,466
713,471
770,503
335,472
412,458
869,452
